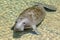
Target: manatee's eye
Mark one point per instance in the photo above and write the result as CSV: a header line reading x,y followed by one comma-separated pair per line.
x,y
24,23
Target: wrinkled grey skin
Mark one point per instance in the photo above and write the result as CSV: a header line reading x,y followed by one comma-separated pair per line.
x,y
28,18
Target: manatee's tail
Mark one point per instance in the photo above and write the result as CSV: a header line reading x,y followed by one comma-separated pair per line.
x,y
49,8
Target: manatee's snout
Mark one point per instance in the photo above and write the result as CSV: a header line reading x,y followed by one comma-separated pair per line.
x,y
16,29
19,27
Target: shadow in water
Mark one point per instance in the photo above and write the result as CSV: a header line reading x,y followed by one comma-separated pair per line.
x,y
19,34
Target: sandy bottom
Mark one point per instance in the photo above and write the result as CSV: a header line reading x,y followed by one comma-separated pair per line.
x,y
9,11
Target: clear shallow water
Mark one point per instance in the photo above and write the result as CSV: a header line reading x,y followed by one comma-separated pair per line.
x,y
9,11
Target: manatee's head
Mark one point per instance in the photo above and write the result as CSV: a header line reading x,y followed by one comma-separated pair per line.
x,y
19,25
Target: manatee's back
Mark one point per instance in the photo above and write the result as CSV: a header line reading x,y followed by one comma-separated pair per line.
x,y
38,14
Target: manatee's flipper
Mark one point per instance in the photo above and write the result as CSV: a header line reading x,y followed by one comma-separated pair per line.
x,y
35,29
